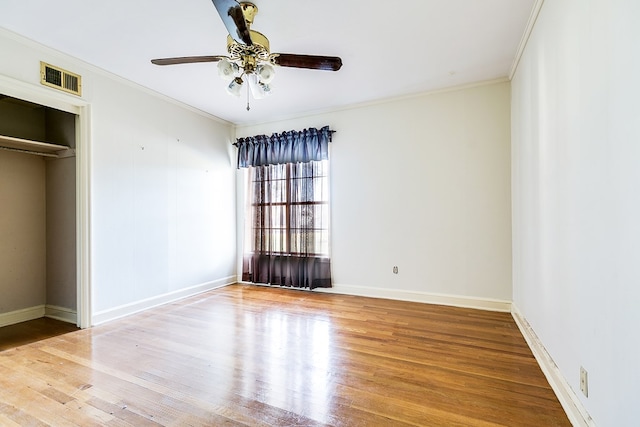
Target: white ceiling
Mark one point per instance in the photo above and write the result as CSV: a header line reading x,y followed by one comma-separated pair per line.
x,y
388,48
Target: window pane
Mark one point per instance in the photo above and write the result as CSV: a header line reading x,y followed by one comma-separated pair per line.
x,y
270,240
321,189
309,215
277,217
278,191
310,189
308,170
314,241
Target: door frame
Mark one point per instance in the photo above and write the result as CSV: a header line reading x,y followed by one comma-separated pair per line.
x,y
82,110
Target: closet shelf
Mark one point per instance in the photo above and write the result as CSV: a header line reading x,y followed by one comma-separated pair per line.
x,y
34,147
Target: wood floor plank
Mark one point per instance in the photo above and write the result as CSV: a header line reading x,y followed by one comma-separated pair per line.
x,y
256,356
34,330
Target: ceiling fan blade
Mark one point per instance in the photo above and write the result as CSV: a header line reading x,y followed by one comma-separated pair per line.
x,y
186,60
231,14
314,62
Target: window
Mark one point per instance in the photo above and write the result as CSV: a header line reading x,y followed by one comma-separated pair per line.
x,y
289,209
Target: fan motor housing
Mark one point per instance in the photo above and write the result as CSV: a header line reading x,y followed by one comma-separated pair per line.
x,y
259,48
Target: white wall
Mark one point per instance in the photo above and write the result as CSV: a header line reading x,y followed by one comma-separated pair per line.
x,y
162,187
421,183
61,233
576,202
163,197
22,231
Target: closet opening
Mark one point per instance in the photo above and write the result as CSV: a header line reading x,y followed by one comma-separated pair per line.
x,y
38,224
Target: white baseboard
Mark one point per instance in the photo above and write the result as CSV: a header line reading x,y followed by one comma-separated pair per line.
x,y
424,297
574,408
22,315
138,306
61,313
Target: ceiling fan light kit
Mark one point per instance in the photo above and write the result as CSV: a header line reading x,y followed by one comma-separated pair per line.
x,y
266,72
235,86
249,53
227,70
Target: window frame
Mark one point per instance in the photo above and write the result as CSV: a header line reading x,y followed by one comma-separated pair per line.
x,y
288,203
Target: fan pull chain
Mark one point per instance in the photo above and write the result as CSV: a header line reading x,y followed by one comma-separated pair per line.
x,y
248,108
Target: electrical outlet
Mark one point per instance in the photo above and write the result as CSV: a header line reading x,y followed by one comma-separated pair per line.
x,y
395,269
584,382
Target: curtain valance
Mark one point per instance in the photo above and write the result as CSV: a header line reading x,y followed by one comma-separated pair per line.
x,y
286,147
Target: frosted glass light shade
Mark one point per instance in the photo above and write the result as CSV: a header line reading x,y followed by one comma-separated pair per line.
x,y
266,89
235,86
226,69
266,73
259,90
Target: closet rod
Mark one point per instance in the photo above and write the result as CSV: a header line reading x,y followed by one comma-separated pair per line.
x,y
37,153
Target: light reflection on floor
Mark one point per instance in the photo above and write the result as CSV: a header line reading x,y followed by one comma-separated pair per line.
x,y
279,358
292,369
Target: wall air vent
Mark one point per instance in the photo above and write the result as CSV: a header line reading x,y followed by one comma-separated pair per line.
x,y
58,78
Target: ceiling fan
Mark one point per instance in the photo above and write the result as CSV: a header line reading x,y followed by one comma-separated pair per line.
x,y
249,54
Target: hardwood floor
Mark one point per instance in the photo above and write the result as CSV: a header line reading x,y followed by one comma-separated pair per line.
x,y
32,331
255,356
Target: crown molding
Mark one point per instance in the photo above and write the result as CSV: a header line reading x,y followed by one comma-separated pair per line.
x,y
71,61
533,17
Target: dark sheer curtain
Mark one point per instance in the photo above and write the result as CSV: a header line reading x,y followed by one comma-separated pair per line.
x,y
287,227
